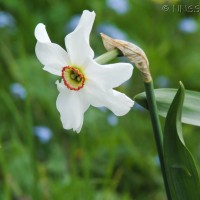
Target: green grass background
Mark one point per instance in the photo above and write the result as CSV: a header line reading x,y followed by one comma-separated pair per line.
x,y
103,162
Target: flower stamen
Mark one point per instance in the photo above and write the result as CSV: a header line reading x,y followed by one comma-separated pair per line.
x,y
73,78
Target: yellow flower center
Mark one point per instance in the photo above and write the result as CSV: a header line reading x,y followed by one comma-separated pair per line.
x,y
73,78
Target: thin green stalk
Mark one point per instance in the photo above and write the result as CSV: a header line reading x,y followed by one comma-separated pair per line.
x,y
157,130
108,56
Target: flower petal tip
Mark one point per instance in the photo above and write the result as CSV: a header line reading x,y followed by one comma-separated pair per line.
x,y
126,106
60,85
129,68
89,12
41,34
77,130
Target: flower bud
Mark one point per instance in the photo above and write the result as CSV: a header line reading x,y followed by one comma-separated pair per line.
x,y
135,54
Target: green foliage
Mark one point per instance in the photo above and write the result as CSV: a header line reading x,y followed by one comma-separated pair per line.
x,y
182,175
104,161
164,97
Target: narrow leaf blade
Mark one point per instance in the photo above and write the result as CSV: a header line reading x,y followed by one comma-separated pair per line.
x,y
182,175
191,106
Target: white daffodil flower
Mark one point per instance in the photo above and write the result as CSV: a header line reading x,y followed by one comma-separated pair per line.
x,y
84,81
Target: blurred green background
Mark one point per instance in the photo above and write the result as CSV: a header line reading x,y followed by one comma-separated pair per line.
x,y
112,158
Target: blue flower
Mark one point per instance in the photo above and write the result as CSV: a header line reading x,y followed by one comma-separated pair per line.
x,y
73,22
112,31
112,120
6,20
120,6
162,81
188,25
18,90
43,133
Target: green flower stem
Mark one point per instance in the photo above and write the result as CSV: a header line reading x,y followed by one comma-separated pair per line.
x,y
157,130
108,56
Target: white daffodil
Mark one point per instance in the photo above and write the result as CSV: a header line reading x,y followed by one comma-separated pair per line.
x,y
84,81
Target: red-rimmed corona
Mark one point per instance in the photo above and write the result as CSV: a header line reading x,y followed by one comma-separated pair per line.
x,y
73,78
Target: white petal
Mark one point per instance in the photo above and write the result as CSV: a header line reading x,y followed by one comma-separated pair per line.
x,y
51,55
77,42
71,105
41,33
117,102
53,70
109,76
60,86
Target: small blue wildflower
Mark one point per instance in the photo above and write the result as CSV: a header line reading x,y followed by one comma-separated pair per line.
x,y
18,90
188,25
112,31
43,133
119,6
112,120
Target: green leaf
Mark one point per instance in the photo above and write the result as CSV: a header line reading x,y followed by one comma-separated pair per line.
x,y
182,175
191,108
